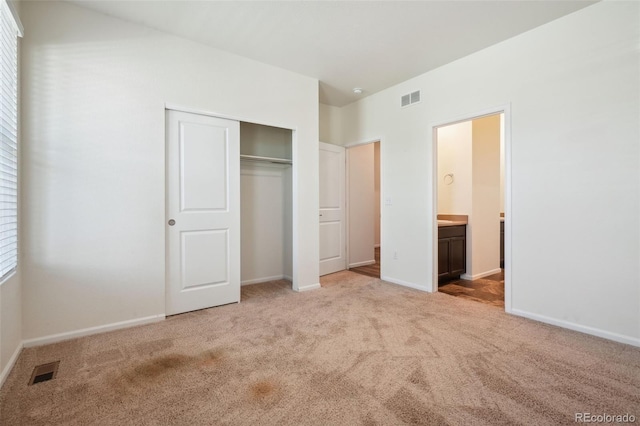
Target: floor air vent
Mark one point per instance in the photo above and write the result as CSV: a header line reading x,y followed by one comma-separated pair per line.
x,y
44,372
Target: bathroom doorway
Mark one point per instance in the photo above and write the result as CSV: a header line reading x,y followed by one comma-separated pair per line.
x,y
470,209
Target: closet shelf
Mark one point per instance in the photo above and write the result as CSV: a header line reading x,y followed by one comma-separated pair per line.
x,y
265,159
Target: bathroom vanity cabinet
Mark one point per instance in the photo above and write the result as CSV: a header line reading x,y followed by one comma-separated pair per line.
x,y
452,249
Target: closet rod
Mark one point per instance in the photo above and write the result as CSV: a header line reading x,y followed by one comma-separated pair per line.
x,y
265,159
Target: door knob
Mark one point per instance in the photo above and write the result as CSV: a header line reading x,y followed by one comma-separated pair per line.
x,y
172,222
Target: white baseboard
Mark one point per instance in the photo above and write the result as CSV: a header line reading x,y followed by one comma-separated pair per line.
x,y
262,280
309,287
54,338
12,361
287,277
365,263
406,284
577,327
480,275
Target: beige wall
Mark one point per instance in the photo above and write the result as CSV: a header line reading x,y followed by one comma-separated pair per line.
x,y
455,158
361,204
483,231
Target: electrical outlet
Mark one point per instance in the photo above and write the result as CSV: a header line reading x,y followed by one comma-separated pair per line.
x,y
395,255
387,201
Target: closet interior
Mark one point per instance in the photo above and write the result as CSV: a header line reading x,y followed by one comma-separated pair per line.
x,y
265,203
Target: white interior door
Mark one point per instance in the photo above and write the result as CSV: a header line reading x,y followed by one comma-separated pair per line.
x,y
203,212
332,209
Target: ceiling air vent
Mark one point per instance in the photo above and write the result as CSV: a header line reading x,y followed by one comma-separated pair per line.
x,y
410,99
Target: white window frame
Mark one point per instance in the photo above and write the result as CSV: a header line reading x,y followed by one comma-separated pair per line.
x,y
10,30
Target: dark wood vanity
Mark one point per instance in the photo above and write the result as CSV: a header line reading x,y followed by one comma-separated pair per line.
x,y
452,252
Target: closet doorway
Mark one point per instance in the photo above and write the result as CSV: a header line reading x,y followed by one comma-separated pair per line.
x,y
229,208
363,208
266,203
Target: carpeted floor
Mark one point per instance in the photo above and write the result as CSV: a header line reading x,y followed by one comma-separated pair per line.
x,y
357,351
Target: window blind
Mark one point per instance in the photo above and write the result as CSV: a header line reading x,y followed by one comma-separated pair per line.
x,y
8,140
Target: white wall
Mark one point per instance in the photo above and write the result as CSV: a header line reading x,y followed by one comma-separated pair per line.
x,y
330,124
94,93
361,204
376,193
483,231
573,87
10,323
11,288
264,194
455,157
502,163
265,141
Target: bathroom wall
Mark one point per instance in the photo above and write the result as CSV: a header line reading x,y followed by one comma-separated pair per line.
x,y
483,233
454,168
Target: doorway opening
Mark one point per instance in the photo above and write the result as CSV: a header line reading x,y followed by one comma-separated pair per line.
x,y
363,209
471,208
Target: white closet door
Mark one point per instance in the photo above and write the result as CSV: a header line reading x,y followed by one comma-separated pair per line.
x,y
203,212
332,209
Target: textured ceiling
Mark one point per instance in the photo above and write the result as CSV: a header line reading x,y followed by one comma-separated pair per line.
x,y
344,44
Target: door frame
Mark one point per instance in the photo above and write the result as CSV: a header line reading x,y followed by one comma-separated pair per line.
x,y
348,224
294,196
508,216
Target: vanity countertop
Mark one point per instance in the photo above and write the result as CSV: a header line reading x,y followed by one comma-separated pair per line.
x,y
452,220
456,221
442,223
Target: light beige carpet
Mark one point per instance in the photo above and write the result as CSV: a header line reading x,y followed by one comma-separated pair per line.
x,y
357,351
